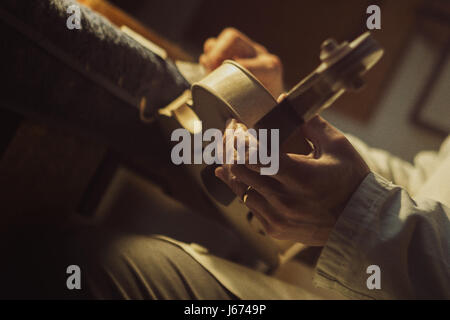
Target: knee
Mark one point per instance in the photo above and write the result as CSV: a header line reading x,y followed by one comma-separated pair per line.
x,y
132,267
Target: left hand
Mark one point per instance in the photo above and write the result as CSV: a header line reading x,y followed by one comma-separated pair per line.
x,y
303,201
233,44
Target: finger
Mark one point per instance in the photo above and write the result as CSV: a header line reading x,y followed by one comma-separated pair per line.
x,y
267,69
209,45
231,123
260,49
288,164
274,224
224,174
232,33
245,142
308,233
257,203
321,133
290,207
239,143
294,170
229,45
291,166
279,227
228,145
264,64
265,185
281,97
203,60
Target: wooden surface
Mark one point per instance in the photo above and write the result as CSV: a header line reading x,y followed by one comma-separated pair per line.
x,y
44,172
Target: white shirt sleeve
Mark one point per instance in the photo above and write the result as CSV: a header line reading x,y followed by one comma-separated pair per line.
x,y
409,240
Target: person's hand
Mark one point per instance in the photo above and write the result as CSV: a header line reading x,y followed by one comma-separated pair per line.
x,y
234,45
303,201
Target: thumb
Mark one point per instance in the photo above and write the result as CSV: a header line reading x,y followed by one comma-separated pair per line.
x,y
320,132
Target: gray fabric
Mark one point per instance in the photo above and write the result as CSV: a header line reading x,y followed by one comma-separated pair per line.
x,y
124,266
98,46
80,83
113,264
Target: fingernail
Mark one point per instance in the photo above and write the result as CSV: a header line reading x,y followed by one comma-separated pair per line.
x,y
281,97
218,172
230,124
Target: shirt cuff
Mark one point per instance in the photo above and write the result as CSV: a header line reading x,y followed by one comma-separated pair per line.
x,y
341,264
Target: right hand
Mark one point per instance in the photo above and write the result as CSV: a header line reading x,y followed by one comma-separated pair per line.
x,y
305,198
234,45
